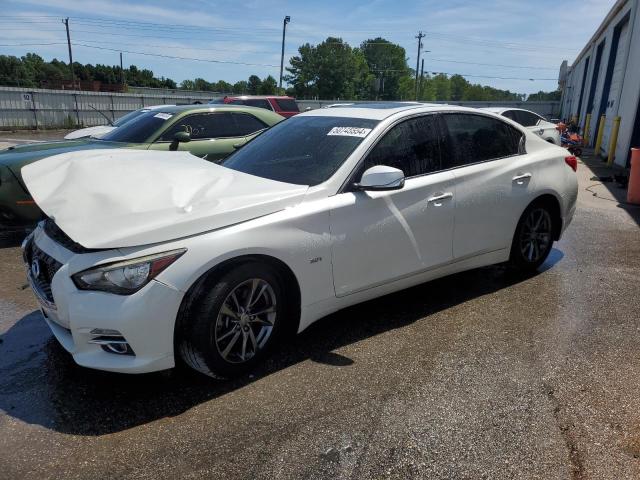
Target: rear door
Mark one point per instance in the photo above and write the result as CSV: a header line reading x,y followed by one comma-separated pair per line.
x,y
382,236
494,181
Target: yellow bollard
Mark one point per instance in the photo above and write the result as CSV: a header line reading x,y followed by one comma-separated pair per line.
x,y
587,127
599,135
614,140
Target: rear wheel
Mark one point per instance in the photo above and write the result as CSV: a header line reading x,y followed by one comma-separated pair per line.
x,y
234,323
533,238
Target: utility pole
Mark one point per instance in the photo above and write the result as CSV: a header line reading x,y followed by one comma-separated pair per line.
x,y
73,77
419,37
421,75
121,73
287,19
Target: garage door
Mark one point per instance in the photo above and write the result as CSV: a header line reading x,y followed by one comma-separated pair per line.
x,y
616,86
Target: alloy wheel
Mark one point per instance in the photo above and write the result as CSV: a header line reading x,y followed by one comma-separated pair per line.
x,y
245,320
535,237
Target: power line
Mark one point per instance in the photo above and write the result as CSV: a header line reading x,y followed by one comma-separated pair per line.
x,y
261,52
488,76
493,64
175,57
31,44
180,47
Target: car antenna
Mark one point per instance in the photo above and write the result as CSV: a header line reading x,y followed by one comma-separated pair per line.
x,y
101,113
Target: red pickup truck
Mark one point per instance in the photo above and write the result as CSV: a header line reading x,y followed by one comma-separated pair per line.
x,y
285,106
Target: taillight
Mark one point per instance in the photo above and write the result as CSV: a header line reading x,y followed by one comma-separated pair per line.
x,y
572,162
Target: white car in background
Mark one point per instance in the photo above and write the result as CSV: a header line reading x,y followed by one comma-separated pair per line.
x,y
100,130
158,255
539,125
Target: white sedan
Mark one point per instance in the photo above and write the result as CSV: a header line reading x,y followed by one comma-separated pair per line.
x,y
156,256
100,130
539,125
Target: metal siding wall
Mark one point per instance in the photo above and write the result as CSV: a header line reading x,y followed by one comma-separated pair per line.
x,y
615,86
630,93
57,108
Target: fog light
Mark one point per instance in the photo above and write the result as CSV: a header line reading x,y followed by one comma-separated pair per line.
x,y
105,331
111,341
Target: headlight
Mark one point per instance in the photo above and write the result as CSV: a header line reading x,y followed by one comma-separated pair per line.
x,y
125,278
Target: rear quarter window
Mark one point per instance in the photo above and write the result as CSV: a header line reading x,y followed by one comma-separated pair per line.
x,y
477,138
287,104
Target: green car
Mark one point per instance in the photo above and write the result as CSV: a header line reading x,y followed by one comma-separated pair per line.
x,y
208,131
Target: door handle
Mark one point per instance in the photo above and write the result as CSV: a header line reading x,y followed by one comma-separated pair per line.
x,y
519,179
437,199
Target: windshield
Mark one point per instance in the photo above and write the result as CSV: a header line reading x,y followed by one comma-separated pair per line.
x,y
139,129
128,117
302,150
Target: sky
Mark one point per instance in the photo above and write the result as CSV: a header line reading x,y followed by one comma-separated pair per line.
x,y
509,44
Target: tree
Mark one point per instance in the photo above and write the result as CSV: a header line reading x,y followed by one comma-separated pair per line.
x,y
458,86
387,62
240,87
545,96
330,70
187,85
222,86
201,84
441,87
253,85
268,86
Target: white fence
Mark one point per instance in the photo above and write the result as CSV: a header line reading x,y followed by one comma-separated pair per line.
x,y
41,109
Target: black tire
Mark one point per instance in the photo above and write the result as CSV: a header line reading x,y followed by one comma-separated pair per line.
x,y
526,256
202,330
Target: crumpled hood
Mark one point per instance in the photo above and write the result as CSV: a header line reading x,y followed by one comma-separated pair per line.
x,y
123,198
96,131
18,156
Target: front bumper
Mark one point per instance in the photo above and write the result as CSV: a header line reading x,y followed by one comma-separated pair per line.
x,y
145,319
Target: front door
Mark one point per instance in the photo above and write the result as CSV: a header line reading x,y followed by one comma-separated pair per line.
x,y
379,237
214,135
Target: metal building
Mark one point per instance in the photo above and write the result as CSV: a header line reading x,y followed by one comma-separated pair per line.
x,y
605,80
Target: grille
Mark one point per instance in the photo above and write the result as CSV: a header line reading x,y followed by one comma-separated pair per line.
x,y
56,234
48,268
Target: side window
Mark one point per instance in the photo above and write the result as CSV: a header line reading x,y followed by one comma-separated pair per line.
x,y
476,138
527,119
246,124
202,126
510,114
258,102
412,146
287,105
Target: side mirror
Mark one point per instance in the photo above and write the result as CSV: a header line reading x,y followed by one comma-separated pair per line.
x,y
179,137
381,177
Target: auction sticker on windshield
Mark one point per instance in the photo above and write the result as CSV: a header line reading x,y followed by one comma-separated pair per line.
x,y
163,116
349,131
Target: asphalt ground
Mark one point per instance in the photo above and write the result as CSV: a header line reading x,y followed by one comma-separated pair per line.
x,y
484,374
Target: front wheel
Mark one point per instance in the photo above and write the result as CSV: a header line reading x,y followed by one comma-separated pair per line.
x,y
234,324
533,238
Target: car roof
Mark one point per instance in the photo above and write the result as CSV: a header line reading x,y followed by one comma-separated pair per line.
x,y
504,109
207,107
380,111
259,97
